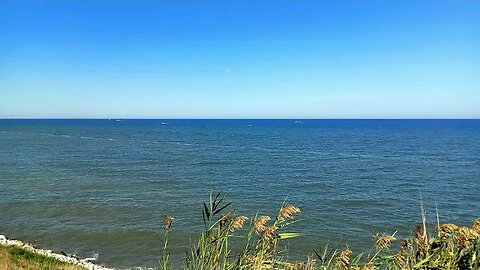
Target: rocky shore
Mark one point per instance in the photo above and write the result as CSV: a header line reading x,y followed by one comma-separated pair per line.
x,y
86,263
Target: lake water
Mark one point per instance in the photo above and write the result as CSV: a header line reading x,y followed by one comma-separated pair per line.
x,y
102,186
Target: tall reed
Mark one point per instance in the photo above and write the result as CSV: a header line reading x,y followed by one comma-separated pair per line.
x,y
443,246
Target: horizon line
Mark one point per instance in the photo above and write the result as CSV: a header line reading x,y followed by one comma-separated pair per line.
x,y
213,118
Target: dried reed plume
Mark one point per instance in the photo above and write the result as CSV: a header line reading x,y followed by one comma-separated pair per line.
x,y
369,266
237,223
405,244
418,232
269,234
420,239
260,223
400,259
476,225
384,242
344,259
167,222
445,230
224,220
465,235
288,211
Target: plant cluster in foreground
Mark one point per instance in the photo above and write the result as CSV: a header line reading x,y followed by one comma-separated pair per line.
x,y
446,246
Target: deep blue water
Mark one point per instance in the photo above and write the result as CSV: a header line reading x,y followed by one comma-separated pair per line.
x,y
101,186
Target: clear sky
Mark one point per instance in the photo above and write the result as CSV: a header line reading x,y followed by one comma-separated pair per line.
x,y
239,59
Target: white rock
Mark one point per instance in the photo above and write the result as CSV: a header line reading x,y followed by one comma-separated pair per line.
x,y
49,253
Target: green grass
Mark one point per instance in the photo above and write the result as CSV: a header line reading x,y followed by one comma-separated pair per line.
x,y
16,258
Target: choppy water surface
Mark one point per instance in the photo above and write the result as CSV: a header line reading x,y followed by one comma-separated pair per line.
x,y
101,186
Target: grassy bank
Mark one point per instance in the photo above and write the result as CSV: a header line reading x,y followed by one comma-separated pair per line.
x,y
17,258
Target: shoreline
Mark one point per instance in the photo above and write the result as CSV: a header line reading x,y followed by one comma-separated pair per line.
x,y
86,263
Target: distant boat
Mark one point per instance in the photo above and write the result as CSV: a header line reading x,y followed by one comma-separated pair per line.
x,y
117,120
164,124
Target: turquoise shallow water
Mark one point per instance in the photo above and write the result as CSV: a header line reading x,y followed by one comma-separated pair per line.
x,y
101,186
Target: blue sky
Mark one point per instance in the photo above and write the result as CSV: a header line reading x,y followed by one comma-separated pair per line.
x,y
239,59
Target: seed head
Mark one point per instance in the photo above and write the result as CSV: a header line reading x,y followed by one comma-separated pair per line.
x,y
405,244
259,224
237,223
369,266
476,225
445,230
344,258
465,235
288,211
418,232
269,234
167,222
384,242
223,221
420,239
400,259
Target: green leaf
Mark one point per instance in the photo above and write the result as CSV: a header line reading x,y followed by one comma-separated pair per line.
x,y
223,207
288,235
207,213
422,262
